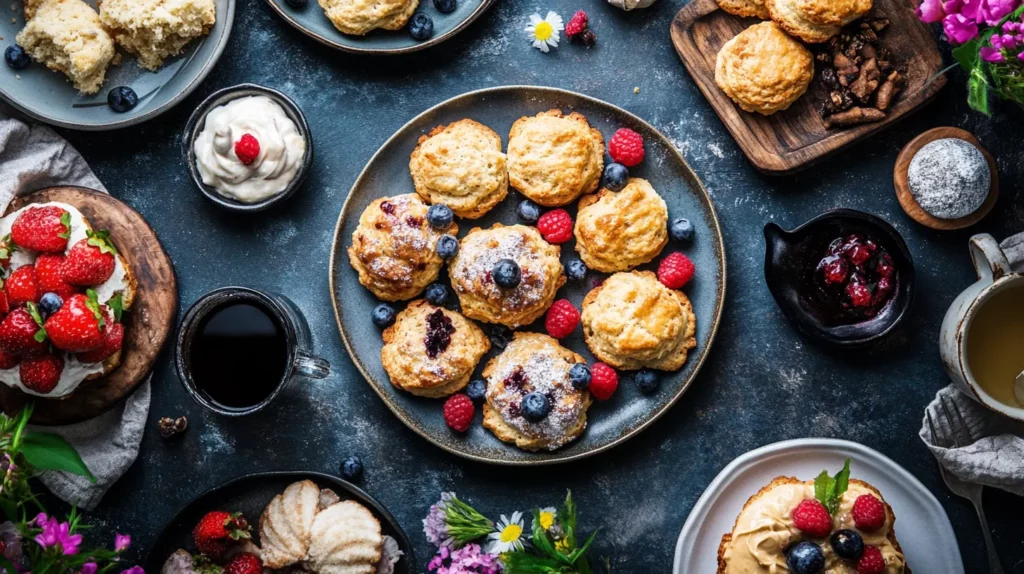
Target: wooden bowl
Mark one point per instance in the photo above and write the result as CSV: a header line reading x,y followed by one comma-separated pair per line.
x,y
910,205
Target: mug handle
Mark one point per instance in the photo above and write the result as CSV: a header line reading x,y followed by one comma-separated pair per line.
x,y
990,262
311,366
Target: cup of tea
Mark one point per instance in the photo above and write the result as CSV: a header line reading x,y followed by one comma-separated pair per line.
x,y
238,348
982,336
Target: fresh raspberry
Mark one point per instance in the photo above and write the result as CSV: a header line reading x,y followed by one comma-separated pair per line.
x,y
811,517
577,24
868,512
459,411
871,562
675,271
561,319
556,226
244,563
626,147
247,148
603,381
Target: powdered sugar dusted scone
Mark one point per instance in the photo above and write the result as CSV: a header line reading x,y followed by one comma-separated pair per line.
x,y
554,158
359,17
462,166
66,36
618,231
473,281
394,248
154,30
534,363
745,8
632,321
431,351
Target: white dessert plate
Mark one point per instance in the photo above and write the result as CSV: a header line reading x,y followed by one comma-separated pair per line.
x,y
922,527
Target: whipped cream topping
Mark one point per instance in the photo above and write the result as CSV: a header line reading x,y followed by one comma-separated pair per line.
x,y
280,157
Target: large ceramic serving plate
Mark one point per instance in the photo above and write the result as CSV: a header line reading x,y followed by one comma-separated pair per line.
x,y
49,97
922,527
312,22
250,495
610,422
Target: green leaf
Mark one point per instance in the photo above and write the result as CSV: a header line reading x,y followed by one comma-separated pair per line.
x,y
824,485
522,562
65,220
93,304
47,451
968,55
842,479
576,554
977,91
40,335
116,304
540,538
10,510
829,489
101,239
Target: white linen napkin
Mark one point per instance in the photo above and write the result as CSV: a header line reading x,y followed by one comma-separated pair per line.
x,y
33,157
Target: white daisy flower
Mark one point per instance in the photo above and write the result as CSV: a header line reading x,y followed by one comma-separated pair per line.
x,y
544,31
507,535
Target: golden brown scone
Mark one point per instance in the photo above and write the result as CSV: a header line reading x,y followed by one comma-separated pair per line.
x,y
360,17
67,36
431,351
462,166
154,30
534,363
482,299
618,231
788,16
764,70
745,8
632,321
394,248
761,550
832,12
553,158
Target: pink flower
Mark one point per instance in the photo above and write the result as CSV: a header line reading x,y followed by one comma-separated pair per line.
x,y
88,568
57,534
992,55
122,542
931,11
134,570
959,29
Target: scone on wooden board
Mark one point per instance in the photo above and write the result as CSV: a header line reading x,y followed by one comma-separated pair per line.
x,y
360,17
745,8
763,69
154,30
67,36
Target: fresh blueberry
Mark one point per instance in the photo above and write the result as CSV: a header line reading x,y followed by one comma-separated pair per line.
x,y
17,57
847,544
440,216
805,558
383,315
297,3
477,390
575,269
501,336
579,376
445,6
122,99
447,247
352,469
49,304
681,229
647,381
506,274
616,176
437,294
421,26
536,407
528,211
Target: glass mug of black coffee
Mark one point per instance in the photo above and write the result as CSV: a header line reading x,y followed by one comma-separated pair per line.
x,y
238,348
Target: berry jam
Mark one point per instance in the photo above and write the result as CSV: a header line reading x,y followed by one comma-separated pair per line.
x,y
855,280
387,207
517,380
439,333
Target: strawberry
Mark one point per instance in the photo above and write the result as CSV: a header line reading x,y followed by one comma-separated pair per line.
x,y
21,286
78,325
7,248
90,261
49,278
45,229
8,360
5,307
41,373
22,332
244,563
113,337
216,530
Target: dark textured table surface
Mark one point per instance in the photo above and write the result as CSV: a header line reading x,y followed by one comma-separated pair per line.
x,y
762,383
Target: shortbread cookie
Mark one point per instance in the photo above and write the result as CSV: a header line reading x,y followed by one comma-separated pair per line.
x,y
553,158
359,17
534,363
431,351
632,321
764,70
67,36
154,30
745,8
833,12
462,166
286,523
473,282
394,248
619,231
346,539
790,17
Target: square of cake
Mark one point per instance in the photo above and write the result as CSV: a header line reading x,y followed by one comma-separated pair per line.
x,y
66,35
154,30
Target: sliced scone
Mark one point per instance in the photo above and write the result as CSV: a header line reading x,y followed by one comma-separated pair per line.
x,y
67,36
154,30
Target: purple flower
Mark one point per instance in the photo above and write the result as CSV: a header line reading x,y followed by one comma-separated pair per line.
x,y
434,526
57,534
931,11
470,559
992,55
134,570
40,519
959,29
122,542
88,568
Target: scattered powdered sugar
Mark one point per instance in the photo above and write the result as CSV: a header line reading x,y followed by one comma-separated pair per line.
x,y
404,241
480,255
949,178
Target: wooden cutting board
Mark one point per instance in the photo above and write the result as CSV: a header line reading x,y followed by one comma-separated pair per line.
x,y
146,325
793,139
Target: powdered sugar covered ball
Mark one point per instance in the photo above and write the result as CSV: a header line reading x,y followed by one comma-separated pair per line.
x,y
949,178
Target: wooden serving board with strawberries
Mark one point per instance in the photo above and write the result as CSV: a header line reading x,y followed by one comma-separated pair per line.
x,y
794,139
147,324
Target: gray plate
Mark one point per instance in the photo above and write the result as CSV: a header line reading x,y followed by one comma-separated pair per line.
x,y
49,97
312,22
608,423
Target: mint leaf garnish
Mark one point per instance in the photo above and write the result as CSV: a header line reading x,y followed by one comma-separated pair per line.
x,y
829,490
116,305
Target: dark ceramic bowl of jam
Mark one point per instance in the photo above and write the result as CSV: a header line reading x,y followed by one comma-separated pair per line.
x,y
844,278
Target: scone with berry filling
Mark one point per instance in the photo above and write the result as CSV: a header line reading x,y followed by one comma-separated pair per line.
x,y
617,231
554,158
394,248
431,351
67,36
530,399
154,30
507,275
